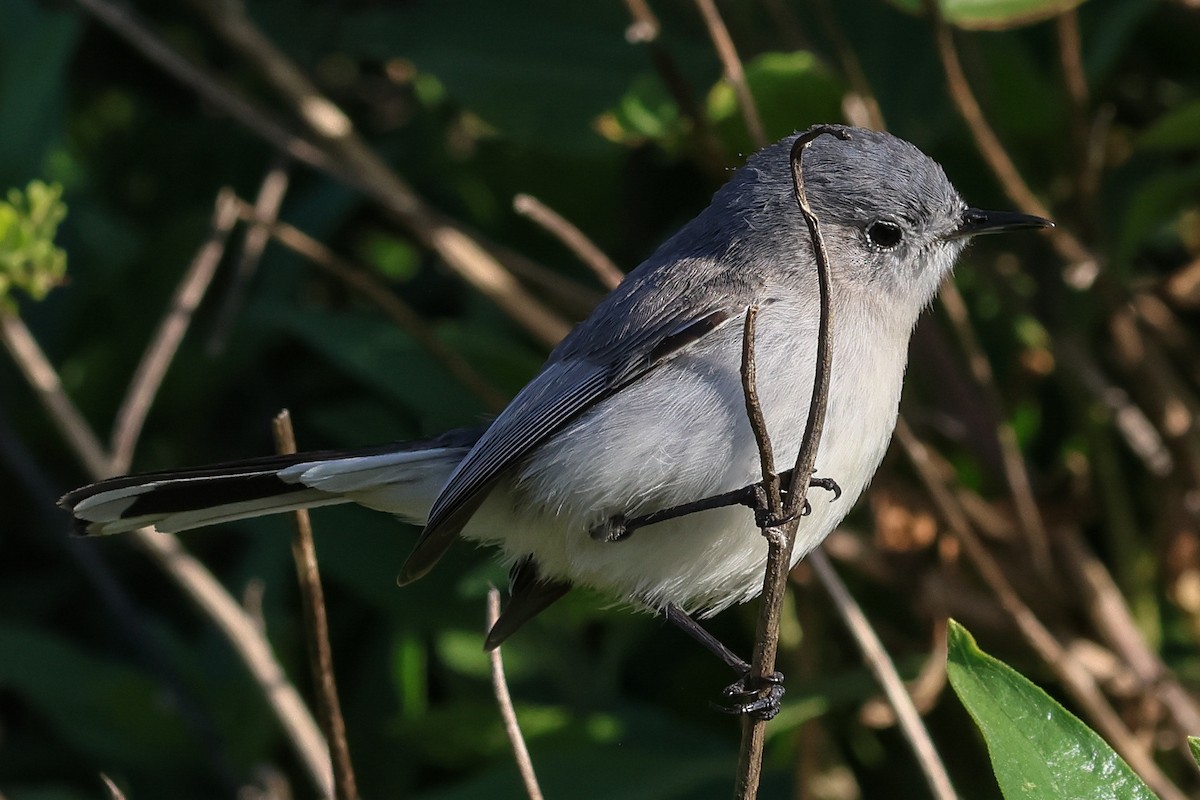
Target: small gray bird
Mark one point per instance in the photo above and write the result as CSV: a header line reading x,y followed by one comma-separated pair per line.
x,y
641,407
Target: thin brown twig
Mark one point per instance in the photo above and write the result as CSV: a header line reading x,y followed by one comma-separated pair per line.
x,y
212,90
44,379
266,206
512,727
1112,617
316,626
645,30
575,240
1078,256
251,645
363,282
734,72
884,670
196,582
457,249
1078,681
1015,472
160,353
781,539
348,159
852,68
1070,54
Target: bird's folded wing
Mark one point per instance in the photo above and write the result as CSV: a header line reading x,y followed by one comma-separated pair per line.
x,y
561,392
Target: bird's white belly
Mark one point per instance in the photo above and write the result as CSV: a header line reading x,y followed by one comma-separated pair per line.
x,y
683,439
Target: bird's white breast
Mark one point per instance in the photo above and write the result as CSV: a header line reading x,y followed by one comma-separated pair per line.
x,y
683,435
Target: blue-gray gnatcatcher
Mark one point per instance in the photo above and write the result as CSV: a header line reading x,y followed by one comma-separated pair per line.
x,y
641,407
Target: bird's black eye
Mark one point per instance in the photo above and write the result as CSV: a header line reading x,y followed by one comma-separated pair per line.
x,y
884,234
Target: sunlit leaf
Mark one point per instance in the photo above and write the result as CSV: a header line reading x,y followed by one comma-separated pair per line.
x,y
993,14
1038,749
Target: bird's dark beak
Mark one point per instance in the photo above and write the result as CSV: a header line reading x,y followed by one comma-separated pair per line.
x,y
976,221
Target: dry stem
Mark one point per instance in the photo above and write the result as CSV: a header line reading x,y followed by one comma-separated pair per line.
x,y
884,670
733,69
575,240
782,539
1078,681
161,352
316,626
512,728
367,285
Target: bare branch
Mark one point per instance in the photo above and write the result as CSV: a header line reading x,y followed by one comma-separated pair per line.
x,y
645,30
316,625
44,380
575,240
161,352
884,670
512,728
1078,681
363,282
1021,488
781,539
1078,256
252,647
211,89
266,206
733,70
460,251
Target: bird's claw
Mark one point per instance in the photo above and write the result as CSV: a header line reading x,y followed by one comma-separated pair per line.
x,y
759,696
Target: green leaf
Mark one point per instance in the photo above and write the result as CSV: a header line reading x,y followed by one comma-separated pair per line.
x,y
29,259
992,15
99,707
1038,748
1194,746
792,91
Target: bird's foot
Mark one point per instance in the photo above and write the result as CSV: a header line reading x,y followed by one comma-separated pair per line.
x,y
758,696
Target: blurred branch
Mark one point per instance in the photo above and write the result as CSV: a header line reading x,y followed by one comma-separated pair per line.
x,y
459,250
342,153
645,29
193,578
575,240
860,85
251,645
924,689
366,284
512,727
1131,422
212,90
1110,615
316,626
733,70
881,666
44,380
266,206
1078,681
165,343
1015,472
1082,261
1070,54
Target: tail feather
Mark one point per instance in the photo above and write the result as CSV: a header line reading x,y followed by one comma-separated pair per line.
x,y
400,478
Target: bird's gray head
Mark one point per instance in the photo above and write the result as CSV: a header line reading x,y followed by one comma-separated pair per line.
x,y
890,218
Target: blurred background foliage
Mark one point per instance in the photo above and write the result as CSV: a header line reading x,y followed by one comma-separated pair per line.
x,y
105,667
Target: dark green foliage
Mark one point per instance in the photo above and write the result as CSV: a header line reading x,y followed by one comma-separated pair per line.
x,y
106,667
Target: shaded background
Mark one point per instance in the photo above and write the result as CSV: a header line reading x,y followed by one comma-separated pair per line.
x,y
104,665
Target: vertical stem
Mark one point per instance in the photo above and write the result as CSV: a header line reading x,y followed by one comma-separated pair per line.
x,y
316,624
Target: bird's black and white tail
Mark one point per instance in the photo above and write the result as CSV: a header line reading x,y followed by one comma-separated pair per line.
x,y
401,479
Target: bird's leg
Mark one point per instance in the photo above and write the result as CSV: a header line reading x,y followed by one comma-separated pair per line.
x,y
758,695
620,527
